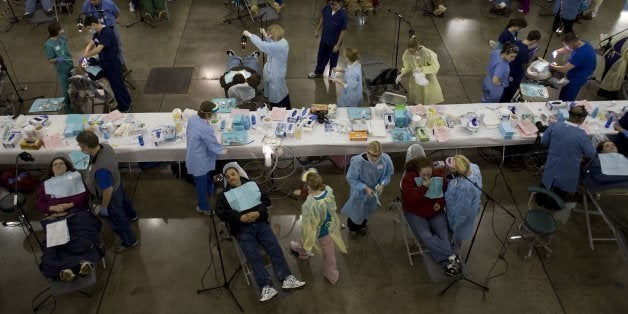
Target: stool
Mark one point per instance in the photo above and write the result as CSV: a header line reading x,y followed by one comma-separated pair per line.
x,y
538,225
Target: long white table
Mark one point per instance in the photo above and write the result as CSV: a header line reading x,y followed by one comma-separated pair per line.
x,y
314,143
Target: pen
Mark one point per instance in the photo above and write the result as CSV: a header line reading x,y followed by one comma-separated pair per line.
x,y
251,141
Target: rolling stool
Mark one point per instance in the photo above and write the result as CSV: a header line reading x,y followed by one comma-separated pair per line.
x,y
538,226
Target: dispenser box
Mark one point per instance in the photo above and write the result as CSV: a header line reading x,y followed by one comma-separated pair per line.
x,y
13,139
506,130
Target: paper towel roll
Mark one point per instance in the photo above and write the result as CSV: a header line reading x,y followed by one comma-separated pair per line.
x,y
29,131
40,131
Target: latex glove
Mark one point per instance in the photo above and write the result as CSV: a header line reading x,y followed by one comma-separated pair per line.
x,y
398,79
60,59
246,33
83,61
379,188
263,31
554,54
100,210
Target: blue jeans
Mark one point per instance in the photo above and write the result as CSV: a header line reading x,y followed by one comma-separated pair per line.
x,y
248,62
29,5
120,211
259,233
204,186
433,233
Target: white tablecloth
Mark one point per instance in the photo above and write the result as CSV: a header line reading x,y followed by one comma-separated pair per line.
x,y
315,143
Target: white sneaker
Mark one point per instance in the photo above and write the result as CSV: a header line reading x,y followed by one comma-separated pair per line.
x,y
268,293
131,7
292,283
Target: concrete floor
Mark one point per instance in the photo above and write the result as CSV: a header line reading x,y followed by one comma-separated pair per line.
x,y
173,259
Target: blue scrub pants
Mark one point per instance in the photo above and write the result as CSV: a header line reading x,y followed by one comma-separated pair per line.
x,y
64,76
433,233
570,91
326,54
30,5
259,233
120,210
204,186
113,72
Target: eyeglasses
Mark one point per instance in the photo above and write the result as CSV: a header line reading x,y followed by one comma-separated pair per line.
x,y
56,164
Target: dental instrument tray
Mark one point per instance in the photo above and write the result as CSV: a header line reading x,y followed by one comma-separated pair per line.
x,y
225,104
234,138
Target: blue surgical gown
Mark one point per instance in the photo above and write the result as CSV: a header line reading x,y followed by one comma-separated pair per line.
x,y
567,144
202,147
462,201
276,66
364,173
569,9
498,67
351,95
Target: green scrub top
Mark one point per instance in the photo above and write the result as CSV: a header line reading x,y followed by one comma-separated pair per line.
x,y
54,48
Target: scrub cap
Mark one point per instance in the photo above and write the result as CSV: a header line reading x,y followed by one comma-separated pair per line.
x,y
414,151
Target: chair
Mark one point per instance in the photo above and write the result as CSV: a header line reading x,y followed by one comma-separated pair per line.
x,y
84,91
246,270
58,288
415,150
538,226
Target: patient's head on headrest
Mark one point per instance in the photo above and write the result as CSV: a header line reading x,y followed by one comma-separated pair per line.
x,y
232,175
606,147
238,79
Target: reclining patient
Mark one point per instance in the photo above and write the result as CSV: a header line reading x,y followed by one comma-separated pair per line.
x,y
64,196
242,76
594,168
243,207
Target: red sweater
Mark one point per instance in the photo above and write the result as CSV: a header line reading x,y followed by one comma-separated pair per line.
x,y
44,201
414,200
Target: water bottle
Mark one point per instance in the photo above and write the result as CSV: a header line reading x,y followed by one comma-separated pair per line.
x,y
140,139
363,115
594,112
611,117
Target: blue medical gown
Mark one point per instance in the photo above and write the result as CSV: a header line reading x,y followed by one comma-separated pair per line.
x,y
202,147
351,96
567,145
364,173
462,201
570,8
498,67
276,66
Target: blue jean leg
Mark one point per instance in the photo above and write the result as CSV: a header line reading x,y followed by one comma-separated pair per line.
x,y
127,204
204,187
248,243
233,62
433,233
30,5
118,219
251,62
267,239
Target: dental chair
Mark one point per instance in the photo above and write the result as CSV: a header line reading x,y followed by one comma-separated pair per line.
x,y
86,93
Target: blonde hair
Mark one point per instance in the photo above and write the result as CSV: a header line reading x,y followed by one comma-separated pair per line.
x,y
374,148
462,165
314,181
276,31
352,54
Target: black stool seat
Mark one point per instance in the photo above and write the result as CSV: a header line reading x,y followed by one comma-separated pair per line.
x,y
6,203
540,222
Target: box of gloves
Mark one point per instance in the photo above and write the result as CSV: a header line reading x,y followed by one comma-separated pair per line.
x,y
506,130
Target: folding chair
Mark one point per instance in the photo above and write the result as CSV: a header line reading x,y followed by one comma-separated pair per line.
x,y
591,188
57,288
415,150
246,269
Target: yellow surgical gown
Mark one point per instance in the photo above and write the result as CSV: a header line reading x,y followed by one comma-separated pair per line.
x,y
427,61
313,214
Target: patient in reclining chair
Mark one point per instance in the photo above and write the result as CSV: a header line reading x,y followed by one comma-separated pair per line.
x,y
424,209
247,221
87,82
64,197
594,168
240,69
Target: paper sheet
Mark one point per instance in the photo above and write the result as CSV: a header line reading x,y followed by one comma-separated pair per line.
x,y
69,184
57,233
244,197
614,164
436,187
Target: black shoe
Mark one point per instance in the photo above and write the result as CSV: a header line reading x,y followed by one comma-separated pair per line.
x,y
451,270
255,54
28,15
49,12
230,53
362,231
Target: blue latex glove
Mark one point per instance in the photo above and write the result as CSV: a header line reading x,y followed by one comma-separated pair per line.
x,y
60,59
